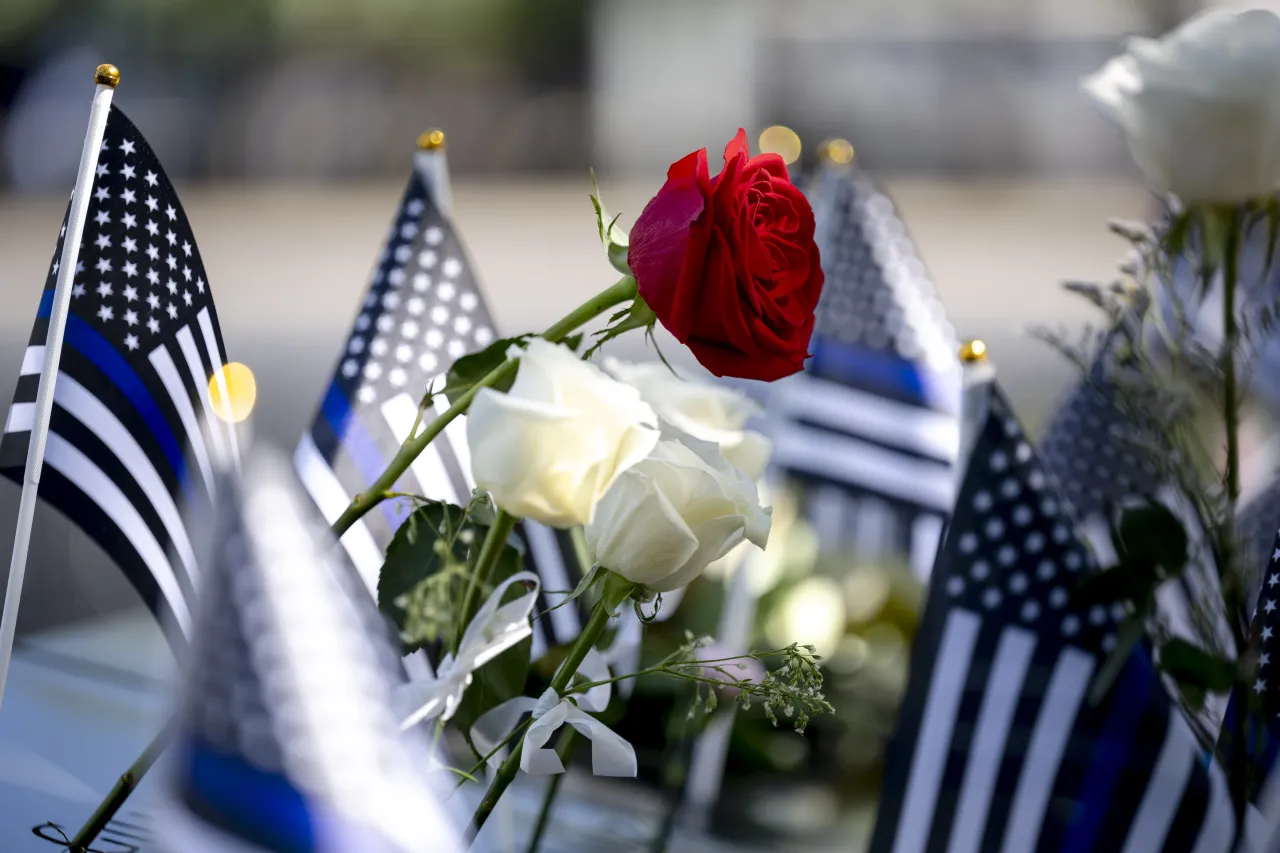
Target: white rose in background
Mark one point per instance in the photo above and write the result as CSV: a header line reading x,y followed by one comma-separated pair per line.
x,y
552,446
1201,107
704,410
672,514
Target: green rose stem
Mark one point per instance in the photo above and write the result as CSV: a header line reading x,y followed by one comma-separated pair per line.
x,y
567,743
620,292
494,541
1239,766
616,591
120,792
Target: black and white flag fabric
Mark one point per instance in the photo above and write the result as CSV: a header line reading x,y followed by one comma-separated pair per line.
x,y
998,748
422,311
133,438
286,741
1104,457
872,427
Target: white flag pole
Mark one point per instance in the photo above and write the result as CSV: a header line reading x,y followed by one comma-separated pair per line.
x,y
433,166
107,77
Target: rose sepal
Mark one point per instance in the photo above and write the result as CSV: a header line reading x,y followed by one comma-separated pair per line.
x,y
615,240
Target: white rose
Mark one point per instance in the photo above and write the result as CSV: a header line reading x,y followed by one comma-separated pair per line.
x,y
552,446
671,515
1201,107
701,409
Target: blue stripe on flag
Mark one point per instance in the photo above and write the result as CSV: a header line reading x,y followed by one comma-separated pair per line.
x,y
870,369
93,346
261,807
359,445
1129,699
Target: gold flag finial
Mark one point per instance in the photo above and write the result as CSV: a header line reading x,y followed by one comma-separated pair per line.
x,y
431,140
973,351
107,75
837,151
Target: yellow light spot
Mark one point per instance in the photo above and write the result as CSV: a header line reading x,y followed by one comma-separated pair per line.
x,y
241,392
812,612
972,351
782,141
837,151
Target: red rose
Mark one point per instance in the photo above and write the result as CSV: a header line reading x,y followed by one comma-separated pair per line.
x,y
729,264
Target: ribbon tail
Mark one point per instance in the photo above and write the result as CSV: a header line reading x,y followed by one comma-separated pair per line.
x,y
611,754
535,759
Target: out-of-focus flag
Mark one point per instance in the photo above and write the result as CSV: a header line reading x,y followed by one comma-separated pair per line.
x,y
998,748
871,428
422,311
1103,457
133,439
286,739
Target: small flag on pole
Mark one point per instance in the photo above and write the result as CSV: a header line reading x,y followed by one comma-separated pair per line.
x,y
422,311
286,739
133,438
871,428
998,748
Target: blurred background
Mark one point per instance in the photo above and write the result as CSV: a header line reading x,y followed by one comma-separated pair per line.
x,y
288,127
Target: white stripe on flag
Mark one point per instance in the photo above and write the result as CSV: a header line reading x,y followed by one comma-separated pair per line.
x,y
168,373
848,460
1054,723
220,378
1000,700
926,531
327,491
456,432
850,410
78,402
428,468
548,559
1218,829
1150,827
946,686
195,369
32,361
66,459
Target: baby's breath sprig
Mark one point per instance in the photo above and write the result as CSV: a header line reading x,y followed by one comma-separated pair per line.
x,y
792,690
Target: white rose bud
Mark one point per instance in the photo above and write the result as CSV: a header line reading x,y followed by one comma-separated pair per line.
x,y
552,446
704,410
1201,107
672,514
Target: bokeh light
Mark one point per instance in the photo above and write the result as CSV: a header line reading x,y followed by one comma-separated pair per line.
x,y
241,392
811,613
782,141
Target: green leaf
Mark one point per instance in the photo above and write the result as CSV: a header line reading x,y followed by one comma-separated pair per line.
x,y
1152,535
1126,582
573,342
638,316
1194,667
418,552
614,238
467,371
505,676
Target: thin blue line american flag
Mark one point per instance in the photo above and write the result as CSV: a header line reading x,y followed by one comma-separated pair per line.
x,y
871,429
998,748
422,310
1104,457
286,737
132,441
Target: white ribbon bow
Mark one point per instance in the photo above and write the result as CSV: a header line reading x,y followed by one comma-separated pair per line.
x,y
611,754
495,628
